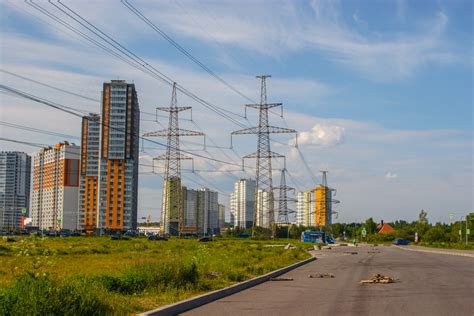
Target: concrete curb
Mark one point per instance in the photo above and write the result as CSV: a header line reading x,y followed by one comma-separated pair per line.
x,y
193,302
441,252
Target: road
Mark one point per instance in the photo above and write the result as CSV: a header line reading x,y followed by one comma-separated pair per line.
x,y
428,284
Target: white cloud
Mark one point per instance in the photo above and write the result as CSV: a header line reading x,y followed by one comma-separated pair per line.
x,y
390,175
322,135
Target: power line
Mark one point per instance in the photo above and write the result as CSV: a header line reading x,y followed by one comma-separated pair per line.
x,y
23,142
68,91
50,86
142,17
69,111
36,130
130,57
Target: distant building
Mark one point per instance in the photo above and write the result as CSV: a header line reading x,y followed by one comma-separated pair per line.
x,y
201,211
221,216
242,202
207,212
15,174
323,206
54,202
172,193
190,200
263,209
89,173
305,208
118,157
385,228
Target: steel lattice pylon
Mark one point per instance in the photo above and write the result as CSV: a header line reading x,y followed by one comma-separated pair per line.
x,y
172,215
264,199
283,199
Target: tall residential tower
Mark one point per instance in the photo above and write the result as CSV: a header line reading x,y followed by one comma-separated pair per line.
x,y
242,203
118,156
89,173
15,172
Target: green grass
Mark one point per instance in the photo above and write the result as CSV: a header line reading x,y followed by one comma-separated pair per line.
x,y
447,245
86,276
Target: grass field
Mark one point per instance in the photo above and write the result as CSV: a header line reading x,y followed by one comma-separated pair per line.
x,y
94,275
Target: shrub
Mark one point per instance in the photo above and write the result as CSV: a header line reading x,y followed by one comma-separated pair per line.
x,y
39,295
141,277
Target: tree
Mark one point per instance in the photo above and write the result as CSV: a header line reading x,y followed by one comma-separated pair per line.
x,y
423,217
370,225
422,226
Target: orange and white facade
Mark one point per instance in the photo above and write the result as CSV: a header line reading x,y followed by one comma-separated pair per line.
x,y
118,157
89,173
54,200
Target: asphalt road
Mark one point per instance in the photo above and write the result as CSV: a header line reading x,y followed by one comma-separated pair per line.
x,y
428,284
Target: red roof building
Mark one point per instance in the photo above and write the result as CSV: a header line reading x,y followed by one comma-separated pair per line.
x,y
386,229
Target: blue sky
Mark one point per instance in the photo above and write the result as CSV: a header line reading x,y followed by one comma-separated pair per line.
x,y
381,92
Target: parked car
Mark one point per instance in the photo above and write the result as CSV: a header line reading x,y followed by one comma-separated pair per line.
x,y
131,233
205,239
65,233
243,235
157,237
401,242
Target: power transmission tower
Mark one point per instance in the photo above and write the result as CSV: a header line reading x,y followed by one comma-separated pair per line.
x,y
264,199
283,200
172,216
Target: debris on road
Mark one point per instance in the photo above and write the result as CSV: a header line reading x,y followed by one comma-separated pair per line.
x,y
321,275
378,278
290,246
351,252
326,247
281,279
373,251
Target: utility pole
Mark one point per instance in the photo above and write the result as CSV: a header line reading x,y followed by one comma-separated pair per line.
x,y
172,216
264,199
283,200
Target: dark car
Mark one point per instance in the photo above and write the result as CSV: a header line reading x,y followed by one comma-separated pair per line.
x,y
205,239
131,233
401,242
157,237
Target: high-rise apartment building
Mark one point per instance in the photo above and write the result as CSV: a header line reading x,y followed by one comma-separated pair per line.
x,y
242,202
323,206
201,211
15,172
118,157
89,173
54,201
207,212
190,210
263,209
221,212
305,210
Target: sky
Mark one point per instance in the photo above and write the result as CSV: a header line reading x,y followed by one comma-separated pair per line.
x,y
380,92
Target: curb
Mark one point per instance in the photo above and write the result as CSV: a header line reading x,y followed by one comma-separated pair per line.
x,y
182,306
438,252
